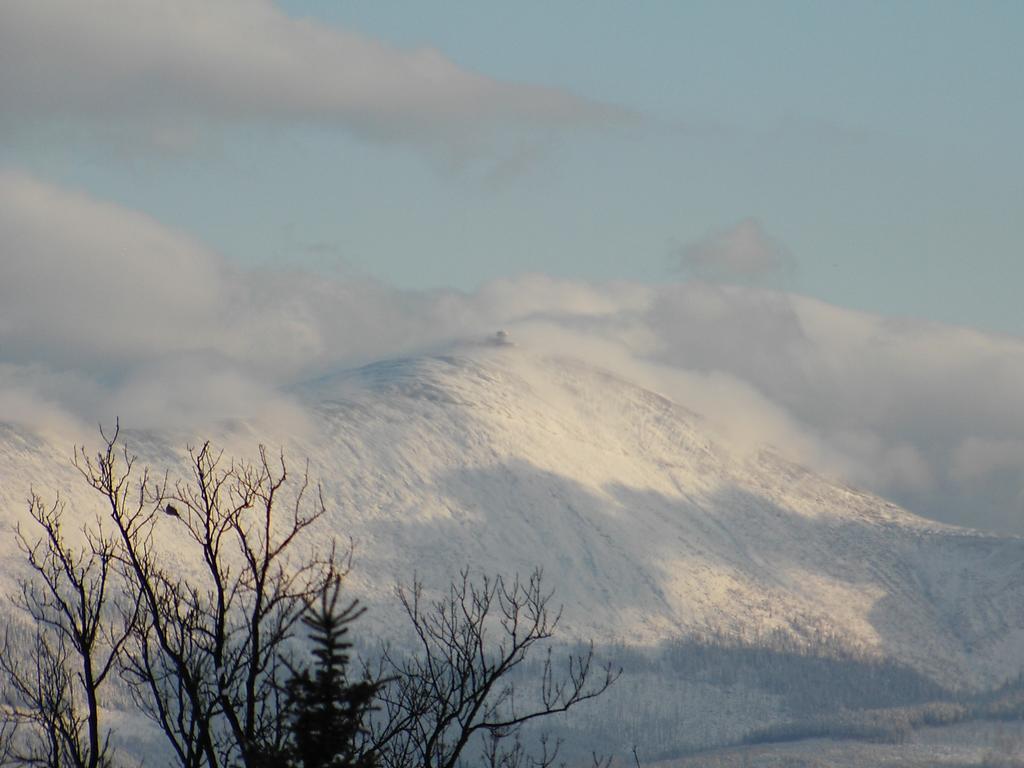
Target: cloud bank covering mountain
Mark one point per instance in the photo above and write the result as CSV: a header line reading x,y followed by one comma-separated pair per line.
x,y
105,312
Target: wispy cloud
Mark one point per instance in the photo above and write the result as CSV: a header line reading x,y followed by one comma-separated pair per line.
x,y
743,253
104,312
171,69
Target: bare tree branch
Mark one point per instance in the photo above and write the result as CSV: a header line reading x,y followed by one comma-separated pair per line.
x,y
459,686
55,686
205,663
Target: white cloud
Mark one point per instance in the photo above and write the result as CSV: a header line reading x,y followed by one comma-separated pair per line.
x,y
977,459
170,68
744,253
83,278
24,400
104,312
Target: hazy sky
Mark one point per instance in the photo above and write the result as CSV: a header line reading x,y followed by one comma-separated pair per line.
x,y
879,143
805,220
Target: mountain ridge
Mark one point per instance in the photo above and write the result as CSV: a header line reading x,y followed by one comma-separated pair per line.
x,y
648,528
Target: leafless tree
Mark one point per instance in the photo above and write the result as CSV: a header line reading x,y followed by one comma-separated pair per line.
x,y
458,688
55,672
223,570
191,591
8,731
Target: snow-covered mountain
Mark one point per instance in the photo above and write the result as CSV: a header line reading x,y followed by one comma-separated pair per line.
x,y
644,523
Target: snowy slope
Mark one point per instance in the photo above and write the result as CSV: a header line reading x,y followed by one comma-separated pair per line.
x,y
494,457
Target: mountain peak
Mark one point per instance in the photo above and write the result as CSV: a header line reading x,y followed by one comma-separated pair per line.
x,y
503,459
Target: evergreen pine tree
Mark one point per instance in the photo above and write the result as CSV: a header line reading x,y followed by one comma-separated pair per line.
x,y
327,710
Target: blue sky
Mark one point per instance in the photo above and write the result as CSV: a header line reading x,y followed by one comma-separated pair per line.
x,y
878,142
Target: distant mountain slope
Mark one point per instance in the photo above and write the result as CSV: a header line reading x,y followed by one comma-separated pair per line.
x,y
646,527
